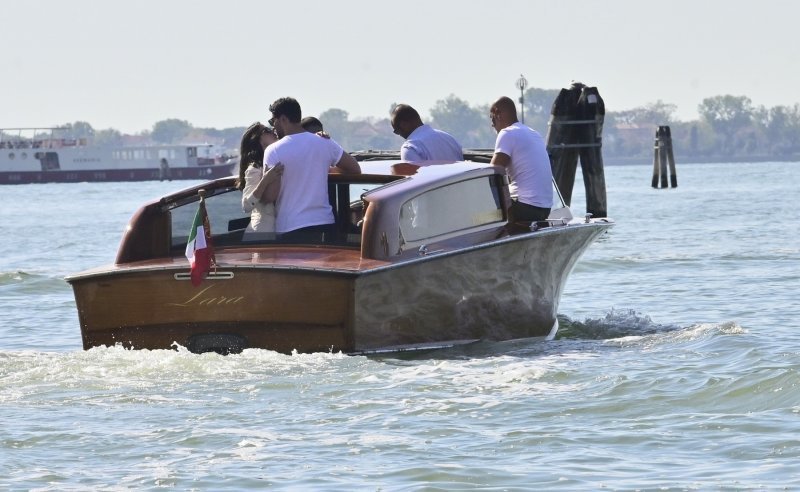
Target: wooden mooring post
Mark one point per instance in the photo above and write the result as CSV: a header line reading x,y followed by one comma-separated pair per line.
x,y
662,155
576,130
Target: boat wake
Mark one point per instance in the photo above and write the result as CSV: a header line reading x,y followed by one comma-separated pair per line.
x,y
30,281
615,324
13,277
617,329
628,326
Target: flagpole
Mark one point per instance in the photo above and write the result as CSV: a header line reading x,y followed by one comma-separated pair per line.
x,y
199,247
202,193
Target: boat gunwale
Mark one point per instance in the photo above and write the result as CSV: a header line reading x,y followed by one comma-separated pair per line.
x,y
114,269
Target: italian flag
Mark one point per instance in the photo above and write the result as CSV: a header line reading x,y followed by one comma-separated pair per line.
x,y
199,250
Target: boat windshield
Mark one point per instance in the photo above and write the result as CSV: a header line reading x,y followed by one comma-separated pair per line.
x,y
229,222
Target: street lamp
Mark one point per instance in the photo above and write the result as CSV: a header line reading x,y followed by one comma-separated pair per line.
x,y
522,83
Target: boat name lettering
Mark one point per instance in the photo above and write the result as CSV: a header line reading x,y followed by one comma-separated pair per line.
x,y
201,299
86,159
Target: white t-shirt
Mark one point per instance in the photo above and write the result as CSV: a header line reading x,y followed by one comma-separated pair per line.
x,y
530,172
428,144
303,197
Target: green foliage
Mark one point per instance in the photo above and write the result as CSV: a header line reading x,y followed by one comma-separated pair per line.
x,y
335,123
657,114
781,126
469,125
366,134
108,138
728,127
78,129
227,137
170,131
538,104
727,115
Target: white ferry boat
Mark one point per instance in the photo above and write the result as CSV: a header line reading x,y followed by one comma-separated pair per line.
x,y
49,159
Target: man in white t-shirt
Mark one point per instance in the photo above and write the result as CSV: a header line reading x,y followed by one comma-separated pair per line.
x,y
304,212
423,143
523,153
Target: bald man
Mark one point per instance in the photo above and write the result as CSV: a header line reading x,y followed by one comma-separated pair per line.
x,y
522,152
423,143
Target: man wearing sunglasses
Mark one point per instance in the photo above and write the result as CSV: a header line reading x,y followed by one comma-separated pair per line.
x,y
304,212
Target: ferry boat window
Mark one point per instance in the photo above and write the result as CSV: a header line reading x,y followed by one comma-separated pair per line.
x,y
451,208
48,160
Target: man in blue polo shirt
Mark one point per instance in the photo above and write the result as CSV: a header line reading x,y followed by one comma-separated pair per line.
x,y
423,143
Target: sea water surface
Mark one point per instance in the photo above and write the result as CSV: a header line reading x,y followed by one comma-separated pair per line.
x,y
676,366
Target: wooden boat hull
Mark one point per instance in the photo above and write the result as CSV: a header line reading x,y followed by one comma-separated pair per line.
x,y
504,290
153,310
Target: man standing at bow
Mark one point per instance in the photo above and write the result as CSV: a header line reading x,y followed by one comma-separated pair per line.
x,y
522,152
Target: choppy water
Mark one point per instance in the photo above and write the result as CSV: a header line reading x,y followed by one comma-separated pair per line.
x,y
676,366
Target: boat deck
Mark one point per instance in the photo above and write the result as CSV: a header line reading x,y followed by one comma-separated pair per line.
x,y
317,258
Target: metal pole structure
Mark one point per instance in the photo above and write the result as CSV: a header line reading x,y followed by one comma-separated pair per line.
x,y
522,83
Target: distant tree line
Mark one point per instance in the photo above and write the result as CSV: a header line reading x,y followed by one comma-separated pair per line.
x,y
728,127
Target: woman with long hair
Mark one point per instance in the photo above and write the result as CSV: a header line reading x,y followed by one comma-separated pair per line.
x,y
259,189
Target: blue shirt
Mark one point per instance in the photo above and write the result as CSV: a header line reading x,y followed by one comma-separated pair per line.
x,y
427,144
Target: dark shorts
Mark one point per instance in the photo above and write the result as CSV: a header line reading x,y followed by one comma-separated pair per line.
x,y
522,212
317,234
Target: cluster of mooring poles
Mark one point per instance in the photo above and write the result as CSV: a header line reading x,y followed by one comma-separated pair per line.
x,y
662,150
576,130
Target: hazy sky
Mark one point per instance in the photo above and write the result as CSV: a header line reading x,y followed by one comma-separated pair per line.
x,y
126,65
